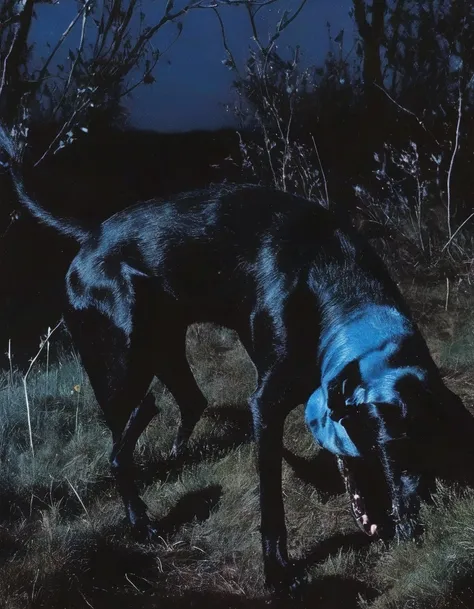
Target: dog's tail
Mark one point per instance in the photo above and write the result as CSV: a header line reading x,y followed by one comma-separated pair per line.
x,y
10,160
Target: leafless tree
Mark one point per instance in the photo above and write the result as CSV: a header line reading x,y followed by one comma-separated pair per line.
x,y
105,52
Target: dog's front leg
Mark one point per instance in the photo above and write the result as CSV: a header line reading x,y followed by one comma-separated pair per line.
x,y
280,573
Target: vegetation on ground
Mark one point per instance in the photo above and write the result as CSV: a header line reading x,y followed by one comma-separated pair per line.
x,y
63,537
379,130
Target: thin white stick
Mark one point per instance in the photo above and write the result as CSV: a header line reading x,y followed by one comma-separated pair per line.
x,y
457,231
47,360
453,156
78,497
32,363
322,172
9,355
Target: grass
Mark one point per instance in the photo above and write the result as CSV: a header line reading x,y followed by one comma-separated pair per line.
x,y
64,541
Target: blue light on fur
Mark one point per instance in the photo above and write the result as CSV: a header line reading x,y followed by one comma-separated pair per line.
x,y
370,336
329,434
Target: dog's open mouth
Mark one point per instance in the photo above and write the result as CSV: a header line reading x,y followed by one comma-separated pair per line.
x,y
359,511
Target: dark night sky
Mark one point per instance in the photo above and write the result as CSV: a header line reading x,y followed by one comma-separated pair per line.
x,y
189,91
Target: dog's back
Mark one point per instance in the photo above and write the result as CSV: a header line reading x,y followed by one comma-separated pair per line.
x,y
220,250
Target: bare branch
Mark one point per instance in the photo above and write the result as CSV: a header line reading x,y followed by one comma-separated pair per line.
x,y
285,22
22,22
59,43
451,164
419,121
151,68
225,43
25,383
322,172
63,129
457,231
103,69
78,56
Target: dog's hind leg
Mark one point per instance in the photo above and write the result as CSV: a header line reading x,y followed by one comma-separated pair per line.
x,y
122,466
120,375
172,368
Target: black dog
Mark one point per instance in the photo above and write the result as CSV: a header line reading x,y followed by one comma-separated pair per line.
x,y
318,314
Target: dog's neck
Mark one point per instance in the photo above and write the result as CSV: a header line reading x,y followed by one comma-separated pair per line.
x,y
362,358
373,336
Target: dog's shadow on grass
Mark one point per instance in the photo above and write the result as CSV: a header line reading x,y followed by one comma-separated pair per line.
x,y
327,593
332,545
320,471
462,593
235,426
330,592
194,506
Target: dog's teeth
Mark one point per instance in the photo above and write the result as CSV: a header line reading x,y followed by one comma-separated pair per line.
x,y
356,497
373,529
365,520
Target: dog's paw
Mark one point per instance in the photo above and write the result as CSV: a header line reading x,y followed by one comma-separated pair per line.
x,y
287,581
179,450
175,453
144,531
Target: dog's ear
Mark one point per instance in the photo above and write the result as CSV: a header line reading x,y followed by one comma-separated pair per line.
x,y
443,428
435,412
341,389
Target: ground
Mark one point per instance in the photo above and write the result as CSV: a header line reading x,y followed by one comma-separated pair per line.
x,y
64,542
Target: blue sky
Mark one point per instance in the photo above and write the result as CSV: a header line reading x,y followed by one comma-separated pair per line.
x,y
189,91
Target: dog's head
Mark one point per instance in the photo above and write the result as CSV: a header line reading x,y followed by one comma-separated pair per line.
x,y
392,438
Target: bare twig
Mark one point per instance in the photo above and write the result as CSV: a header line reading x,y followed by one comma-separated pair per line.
x,y
25,378
285,22
78,498
59,43
457,231
62,130
132,584
451,164
47,359
269,154
322,172
418,211
10,362
419,121
76,59
22,21
225,43
85,600
152,67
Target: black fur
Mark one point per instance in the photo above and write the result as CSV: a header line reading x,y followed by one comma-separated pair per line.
x,y
295,284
